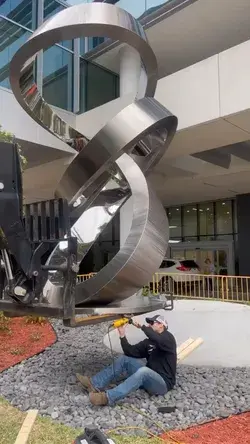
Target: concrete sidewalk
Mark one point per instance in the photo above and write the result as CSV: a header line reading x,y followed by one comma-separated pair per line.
x,y
224,327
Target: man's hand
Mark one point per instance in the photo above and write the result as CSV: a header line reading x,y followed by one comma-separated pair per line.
x,y
121,331
136,324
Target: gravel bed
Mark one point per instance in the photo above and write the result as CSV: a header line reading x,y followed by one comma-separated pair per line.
x,y
47,382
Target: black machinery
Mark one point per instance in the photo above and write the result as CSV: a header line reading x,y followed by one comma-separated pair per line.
x,y
28,235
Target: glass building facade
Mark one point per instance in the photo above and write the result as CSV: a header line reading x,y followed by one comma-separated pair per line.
x,y
65,79
63,76
138,8
205,221
207,230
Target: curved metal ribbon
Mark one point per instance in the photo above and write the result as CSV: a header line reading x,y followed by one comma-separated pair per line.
x,y
109,168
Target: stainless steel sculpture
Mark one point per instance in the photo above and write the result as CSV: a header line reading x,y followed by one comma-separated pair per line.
x,y
109,168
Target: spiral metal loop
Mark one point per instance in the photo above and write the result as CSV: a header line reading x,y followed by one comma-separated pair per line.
x,y
110,167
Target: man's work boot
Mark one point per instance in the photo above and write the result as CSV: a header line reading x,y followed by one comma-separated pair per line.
x,y
86,383
100,398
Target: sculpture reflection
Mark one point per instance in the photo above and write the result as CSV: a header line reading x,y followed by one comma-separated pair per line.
x,y
111,166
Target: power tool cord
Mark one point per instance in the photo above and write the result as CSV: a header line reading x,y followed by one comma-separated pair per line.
x,y
112,353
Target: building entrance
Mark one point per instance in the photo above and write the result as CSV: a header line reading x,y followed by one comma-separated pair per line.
x,y
221,255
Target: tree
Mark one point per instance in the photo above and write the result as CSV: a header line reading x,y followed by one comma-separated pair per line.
x,y
8,137
5,136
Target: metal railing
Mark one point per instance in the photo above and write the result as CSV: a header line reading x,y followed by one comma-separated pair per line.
x,y
84,277
201,286
196,286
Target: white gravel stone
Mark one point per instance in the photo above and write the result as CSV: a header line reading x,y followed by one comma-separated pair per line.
x,y
47,382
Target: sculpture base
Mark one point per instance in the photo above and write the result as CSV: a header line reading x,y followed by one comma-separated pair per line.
x,y
91,315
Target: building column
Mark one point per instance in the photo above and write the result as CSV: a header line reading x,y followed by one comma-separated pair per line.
x,y
243,220
130,69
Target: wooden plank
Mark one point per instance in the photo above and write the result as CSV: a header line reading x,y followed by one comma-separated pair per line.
x,y
24,432
93,320
188,350
184,345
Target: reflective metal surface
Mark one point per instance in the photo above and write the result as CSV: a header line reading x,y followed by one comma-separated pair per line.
x,y
110,167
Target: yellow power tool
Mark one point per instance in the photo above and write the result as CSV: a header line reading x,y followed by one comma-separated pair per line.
x,y
121,322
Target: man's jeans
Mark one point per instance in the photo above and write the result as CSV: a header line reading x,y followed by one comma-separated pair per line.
x,y
139,376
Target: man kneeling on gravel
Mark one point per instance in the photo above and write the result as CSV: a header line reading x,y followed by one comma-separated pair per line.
x,y
156,377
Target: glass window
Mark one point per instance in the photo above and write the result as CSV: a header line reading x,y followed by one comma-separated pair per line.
x,y
58,77
189,220
174,219
224,219
207,238
52,7
190,239
93,42
135,7
19,11
177,255
97,86
89,43
12,37
82,46
235,220
225,237
206,219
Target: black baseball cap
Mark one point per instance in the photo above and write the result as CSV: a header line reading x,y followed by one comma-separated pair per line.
x,y
157,318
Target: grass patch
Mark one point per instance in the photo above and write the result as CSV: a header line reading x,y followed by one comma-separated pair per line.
x,y
35,320
35,337
10,422
4,323
46,431
17,351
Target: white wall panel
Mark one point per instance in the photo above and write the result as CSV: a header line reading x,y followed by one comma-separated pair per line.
x,y
192,93
234,78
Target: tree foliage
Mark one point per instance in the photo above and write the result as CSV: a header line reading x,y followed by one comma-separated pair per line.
x,y
8,137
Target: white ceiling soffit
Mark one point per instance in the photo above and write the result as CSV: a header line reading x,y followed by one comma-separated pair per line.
x,y
222,157
215,157
186,36
199,189
34,185
38,154
241,150
232,158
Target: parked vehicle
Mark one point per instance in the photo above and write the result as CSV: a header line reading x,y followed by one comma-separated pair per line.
x,y
179,269
175,273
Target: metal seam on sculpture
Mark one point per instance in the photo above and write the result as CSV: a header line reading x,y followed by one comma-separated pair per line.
x,y
154,124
